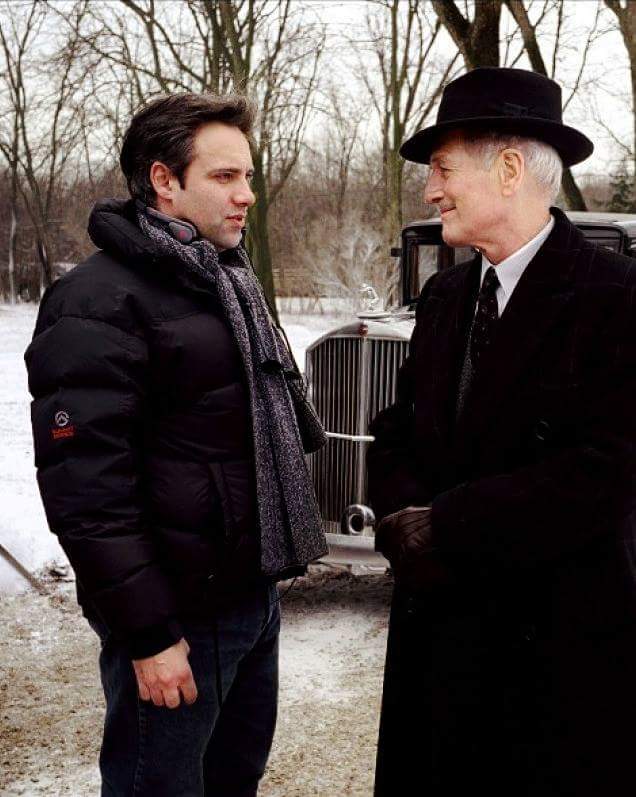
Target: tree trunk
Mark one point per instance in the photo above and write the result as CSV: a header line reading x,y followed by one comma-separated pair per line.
x,y
394,204
632,65
477,41
12,249
43,250
572,192
626,17
258,234
484,39
394,194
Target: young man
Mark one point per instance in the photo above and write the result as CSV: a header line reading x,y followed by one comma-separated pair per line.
x,y
504,475
169,457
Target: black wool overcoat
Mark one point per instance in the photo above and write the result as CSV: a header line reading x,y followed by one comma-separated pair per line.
x,y
518,677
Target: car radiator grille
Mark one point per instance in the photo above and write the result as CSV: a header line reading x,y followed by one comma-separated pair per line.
x,y
351,379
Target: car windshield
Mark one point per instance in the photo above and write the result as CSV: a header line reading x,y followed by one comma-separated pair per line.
x,y
424,259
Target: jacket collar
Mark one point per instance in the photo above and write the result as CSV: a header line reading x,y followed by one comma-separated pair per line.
x,y
113,228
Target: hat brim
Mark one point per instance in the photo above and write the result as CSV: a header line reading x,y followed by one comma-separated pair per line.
x,y
572,146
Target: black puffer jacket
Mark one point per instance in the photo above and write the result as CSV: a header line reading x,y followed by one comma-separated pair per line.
x,y
142,437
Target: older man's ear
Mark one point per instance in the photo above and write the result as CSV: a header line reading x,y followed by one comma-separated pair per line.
x,y
511,171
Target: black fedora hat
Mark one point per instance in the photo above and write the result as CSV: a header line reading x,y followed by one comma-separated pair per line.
x,y
503,100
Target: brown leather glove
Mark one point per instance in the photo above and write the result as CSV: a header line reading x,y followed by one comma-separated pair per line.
x,y
404,538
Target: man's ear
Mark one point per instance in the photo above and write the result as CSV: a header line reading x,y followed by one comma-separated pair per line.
x,y
511,169
162,180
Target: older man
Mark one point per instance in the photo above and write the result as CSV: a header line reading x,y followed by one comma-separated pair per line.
x,y
504,475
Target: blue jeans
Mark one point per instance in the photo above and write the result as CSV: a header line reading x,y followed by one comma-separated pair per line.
x,y
206,748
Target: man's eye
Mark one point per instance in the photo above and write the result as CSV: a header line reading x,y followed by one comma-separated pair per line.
x,y
224,177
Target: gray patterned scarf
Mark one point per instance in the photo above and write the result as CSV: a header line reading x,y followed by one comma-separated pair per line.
x,y
290,526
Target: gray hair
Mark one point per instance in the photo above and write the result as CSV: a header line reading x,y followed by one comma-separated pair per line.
x,y
542,161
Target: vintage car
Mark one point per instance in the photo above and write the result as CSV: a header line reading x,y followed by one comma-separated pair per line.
x,y
352,370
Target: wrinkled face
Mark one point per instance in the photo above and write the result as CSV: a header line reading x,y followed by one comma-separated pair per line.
x,y
216,192
466,193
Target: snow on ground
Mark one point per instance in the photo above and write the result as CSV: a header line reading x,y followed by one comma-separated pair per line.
x,y
23,529
332,646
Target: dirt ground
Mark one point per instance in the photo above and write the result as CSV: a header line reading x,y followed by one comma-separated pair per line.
x,y
332,657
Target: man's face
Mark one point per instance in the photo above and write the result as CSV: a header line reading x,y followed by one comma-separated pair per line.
x,y
216,192
466,193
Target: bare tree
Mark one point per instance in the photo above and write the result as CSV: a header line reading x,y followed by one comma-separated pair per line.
x,y
45,113
405,89
626,18
14,46
268,51
344,120
477,39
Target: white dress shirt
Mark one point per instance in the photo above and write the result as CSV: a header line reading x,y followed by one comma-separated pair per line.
x,y
509,271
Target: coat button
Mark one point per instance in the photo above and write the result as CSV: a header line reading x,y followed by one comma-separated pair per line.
x,y
542,431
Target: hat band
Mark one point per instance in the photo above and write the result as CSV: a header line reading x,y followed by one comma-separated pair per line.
x,y
497,109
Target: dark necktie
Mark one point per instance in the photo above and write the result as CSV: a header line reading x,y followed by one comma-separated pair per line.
x,y
485,318
481,333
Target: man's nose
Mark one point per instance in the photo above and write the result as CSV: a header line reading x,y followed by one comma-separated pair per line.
x,y
433,192
244,195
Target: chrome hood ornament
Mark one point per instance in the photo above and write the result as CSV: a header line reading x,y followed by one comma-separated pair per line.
x,y
371,301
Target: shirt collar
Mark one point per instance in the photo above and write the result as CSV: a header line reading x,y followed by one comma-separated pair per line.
x,y
509,271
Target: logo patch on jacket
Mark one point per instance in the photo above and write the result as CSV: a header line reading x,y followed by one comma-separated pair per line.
x,y
63,427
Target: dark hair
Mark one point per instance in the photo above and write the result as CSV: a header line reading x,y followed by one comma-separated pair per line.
x,y
164,130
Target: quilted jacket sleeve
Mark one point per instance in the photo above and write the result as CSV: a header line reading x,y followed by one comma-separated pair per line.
x,y
88,381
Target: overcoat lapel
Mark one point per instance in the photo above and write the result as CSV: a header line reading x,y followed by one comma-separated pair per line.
x,y
534,309
448,343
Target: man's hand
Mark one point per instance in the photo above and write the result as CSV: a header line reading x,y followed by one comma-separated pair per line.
x,y
164,677
404,537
